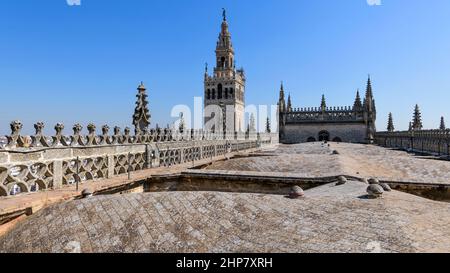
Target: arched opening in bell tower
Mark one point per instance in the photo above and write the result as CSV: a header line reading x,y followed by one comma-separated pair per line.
x,y
219,91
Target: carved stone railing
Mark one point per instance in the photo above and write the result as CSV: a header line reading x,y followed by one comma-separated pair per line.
x,y
330,114
38,162
436,142
319,109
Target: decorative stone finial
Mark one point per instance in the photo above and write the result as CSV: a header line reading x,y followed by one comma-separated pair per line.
x,y
296,192
117,138
16,127
386,187
38,139
116,130
91,138
86,193
59,127
141,116
375,191
341,180
77,139
374,181
39,126
365,181
105,129
104,138
15,140
91,128
77,129
58,139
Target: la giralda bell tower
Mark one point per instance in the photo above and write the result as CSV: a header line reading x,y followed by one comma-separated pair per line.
x,y
226,87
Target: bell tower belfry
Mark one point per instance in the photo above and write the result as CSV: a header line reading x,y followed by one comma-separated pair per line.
x,y
226,87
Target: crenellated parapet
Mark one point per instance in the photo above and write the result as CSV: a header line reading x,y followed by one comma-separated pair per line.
x,y
324,123
325,114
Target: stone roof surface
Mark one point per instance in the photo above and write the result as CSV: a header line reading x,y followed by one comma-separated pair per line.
x,y
329,219
317,160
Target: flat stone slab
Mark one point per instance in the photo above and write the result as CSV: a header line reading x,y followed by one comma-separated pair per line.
x,y
329,219
356,160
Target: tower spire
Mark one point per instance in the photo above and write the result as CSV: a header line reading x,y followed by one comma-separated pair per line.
x,y
282,91
289,104
369,101
268,127
370,113
358,104
417,119
323,104
390,126
369,93
224,50
141,117
442,126
282,100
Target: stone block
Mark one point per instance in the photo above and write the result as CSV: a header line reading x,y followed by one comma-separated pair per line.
x,y
4,157
57,174
25,157
52,154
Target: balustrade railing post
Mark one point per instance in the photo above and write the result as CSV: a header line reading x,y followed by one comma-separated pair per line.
x,y
149,156
129,166
78,173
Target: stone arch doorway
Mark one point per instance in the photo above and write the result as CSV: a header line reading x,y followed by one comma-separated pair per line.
x,y
324,136
337,139
311,139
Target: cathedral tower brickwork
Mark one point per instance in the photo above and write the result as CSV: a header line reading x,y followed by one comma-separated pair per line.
x,y
226,86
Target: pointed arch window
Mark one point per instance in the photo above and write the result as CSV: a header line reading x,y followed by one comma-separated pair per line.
x,y
208,94
219,91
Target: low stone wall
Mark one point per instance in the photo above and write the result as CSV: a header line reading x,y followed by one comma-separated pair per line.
x,y
272,183
301,133
437,192
435,142
224,181
34,163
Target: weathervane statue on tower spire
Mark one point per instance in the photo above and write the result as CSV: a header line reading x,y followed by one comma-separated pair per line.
x,y
224,14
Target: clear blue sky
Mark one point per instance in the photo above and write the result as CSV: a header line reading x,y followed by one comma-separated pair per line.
x,y
61,63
